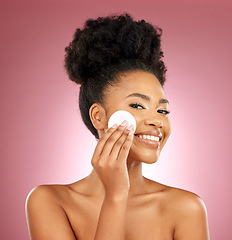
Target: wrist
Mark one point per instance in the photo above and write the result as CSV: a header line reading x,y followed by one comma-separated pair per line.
x,y
119,197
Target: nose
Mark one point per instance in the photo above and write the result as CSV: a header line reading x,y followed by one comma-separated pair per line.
x,y
154,120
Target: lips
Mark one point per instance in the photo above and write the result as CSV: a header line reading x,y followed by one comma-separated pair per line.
x,y
149,138
154,133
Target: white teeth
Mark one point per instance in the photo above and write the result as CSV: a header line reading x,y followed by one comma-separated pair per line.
x,y
156,138
149,137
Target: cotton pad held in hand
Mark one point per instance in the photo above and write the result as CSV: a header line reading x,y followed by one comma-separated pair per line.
x,y
119,116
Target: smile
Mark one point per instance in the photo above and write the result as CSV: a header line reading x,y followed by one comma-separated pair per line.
x,y
148,140
149,137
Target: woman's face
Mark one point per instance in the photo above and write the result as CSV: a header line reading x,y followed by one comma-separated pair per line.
x,y
141,94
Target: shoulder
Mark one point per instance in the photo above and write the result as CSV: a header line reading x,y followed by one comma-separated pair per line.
x,y
45,215
185,202
43,197
189,214
46,192
181,201
177,200
185,210
175,197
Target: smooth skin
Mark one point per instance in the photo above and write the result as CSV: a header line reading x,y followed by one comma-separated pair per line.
x,y
115,202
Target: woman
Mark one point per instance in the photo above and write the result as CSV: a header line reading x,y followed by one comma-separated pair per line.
x,y
118,63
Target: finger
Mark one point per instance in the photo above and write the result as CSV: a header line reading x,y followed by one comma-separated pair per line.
x,y
102,141
124,150
117,146
114,137
107,139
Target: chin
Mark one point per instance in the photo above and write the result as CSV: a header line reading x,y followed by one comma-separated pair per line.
x,y
144,155
151,161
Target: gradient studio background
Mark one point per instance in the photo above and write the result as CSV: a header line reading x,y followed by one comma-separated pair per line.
x,y
43,140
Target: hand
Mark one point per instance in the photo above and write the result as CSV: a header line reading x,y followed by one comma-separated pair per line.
x,y
110,158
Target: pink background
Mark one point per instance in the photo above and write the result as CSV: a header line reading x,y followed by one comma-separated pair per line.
x,y
43,140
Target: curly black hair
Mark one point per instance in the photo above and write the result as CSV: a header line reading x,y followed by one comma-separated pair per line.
x,y
106,47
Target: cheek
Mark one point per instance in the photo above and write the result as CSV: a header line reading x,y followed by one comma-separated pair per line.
x,y
139,119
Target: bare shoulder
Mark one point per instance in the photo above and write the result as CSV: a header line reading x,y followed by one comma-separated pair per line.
x,y
182,199
47,192
177,198
189,214
185,211
46,218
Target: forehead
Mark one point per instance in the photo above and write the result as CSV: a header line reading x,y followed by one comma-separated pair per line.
x,y
138,82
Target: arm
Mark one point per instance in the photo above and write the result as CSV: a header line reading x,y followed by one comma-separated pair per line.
x,y
109,161
45,218
192,220
111,223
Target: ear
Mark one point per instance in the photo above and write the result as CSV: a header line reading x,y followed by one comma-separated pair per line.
x,y
97,115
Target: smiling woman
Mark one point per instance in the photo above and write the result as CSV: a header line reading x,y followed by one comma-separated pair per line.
x,y
118,62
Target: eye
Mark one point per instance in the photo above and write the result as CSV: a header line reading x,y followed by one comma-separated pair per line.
x,y
136,105
164,112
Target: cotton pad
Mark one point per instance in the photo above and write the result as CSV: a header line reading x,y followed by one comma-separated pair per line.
x,y
119,116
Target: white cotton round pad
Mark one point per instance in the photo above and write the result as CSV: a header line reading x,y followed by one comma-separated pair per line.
x,y
119,116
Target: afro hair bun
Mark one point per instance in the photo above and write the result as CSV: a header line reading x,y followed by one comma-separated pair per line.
x,y
106,41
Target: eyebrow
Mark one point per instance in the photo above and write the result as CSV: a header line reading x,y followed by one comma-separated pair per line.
x,y
145,97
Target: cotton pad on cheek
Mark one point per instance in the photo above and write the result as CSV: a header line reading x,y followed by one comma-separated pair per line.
x,y
121,115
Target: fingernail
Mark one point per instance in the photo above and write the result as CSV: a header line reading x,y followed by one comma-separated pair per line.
x,y
115,125
124,123
131,131
131,127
